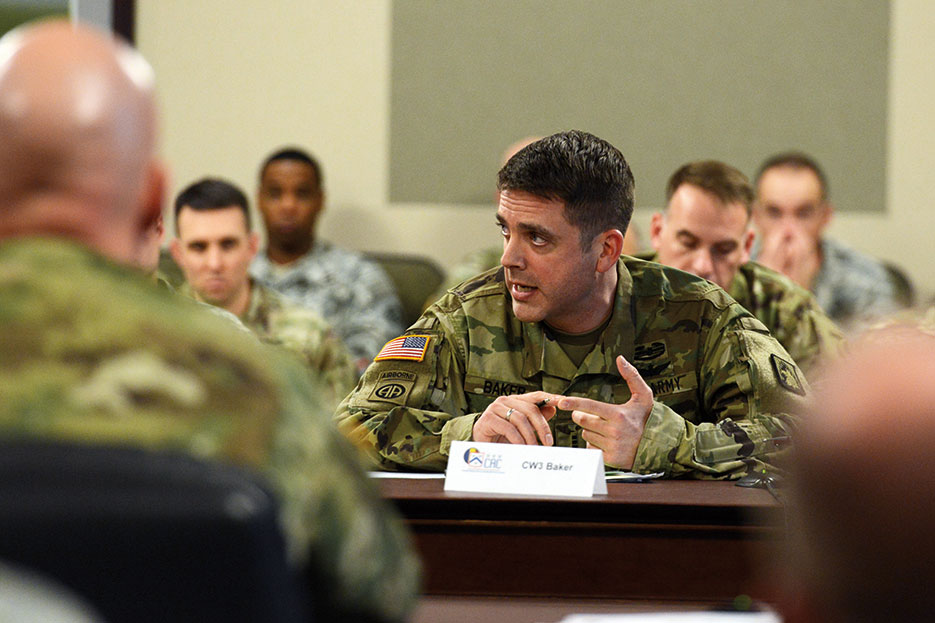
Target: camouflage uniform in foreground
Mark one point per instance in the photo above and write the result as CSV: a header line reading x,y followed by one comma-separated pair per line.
x,y
93,352
724,389
278,321
789,311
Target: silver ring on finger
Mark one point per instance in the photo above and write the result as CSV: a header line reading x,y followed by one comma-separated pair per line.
x,y
509,412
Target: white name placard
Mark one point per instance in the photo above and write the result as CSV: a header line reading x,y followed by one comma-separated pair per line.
x,y
526,470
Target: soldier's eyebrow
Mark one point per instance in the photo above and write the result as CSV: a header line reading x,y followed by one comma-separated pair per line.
x,y
537,230
528,228
684,233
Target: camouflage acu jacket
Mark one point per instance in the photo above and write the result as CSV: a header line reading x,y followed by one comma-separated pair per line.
x,y
278,321
725,391
789,311
97,353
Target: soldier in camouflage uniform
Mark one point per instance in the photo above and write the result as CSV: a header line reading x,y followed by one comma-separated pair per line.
x,y
705,230
569,344
354,294
792,212
93,352
214,247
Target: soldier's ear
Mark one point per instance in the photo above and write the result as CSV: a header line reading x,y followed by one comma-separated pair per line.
x,y
611,246
149,204
175,248
747,244
253,243
827,213
656,225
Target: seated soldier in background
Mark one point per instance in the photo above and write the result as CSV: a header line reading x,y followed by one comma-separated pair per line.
x,y
792,212
569,344
705,230
94,353
861,505
148,260
214,246
351,292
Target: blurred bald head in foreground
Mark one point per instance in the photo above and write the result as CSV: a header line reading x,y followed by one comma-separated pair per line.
x,y
78,128
865,546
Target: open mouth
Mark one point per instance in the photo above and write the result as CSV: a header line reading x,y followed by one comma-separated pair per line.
x,y
521,292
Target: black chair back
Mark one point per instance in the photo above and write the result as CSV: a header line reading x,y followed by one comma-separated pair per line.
x,y
147,536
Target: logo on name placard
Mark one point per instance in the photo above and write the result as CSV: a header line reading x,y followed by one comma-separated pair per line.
x,y
482,461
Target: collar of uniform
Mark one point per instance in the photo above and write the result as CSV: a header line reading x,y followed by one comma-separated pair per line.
x,y
740,284
186,289
542,353
264,269
59,254
257,305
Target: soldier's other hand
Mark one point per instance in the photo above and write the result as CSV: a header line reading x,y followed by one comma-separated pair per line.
x,y
517,419
614,429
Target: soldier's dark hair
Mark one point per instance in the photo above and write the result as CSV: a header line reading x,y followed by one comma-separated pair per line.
x,y
298,155
795,160
588,174
721,180
211,194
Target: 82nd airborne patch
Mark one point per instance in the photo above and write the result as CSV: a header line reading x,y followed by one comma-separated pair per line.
x,y
393,386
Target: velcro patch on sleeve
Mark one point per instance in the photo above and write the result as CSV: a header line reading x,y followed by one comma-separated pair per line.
x,y
393,386
411,347
787,375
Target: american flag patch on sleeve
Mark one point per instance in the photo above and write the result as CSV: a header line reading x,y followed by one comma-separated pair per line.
x,y
405,347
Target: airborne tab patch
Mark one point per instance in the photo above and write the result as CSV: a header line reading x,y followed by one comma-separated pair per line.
x,y
786,375
410,347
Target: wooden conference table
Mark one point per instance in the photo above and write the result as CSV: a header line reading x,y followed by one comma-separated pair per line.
x,y
659,541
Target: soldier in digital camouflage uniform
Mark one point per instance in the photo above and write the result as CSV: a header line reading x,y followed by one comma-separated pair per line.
x,y
214,247
93,352
353,293
705,230
660,370
792,212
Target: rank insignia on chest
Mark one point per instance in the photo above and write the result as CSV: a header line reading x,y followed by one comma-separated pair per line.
x,y
411,347
652,359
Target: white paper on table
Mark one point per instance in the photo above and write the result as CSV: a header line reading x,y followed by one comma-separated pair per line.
x,y
408,475
706,616
619,476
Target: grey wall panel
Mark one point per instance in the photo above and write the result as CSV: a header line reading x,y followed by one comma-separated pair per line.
x,y
667,81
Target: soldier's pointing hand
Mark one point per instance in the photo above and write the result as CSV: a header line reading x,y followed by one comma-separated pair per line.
x,y
614,429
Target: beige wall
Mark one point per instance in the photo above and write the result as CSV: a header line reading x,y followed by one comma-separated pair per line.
x,y
236,84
